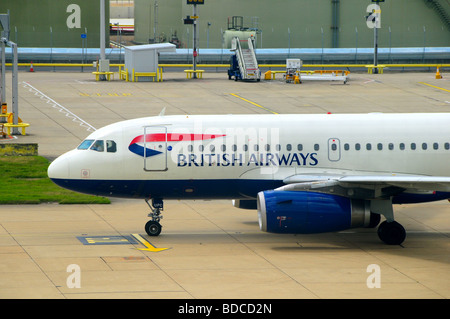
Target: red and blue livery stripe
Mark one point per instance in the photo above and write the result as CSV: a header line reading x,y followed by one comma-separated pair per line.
x,y
137,148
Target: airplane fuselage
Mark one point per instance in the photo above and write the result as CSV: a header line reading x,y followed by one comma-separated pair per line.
x,y
237,156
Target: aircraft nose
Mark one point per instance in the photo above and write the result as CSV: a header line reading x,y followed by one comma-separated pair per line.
x,y
59,168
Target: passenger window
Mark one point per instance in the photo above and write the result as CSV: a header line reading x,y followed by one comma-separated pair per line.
x,y
256,147
402,146
333,147
300,147
368,146
380,146
278,147
288,147
267,148
224,147
424,146
201,147
212,148
190,148
316,147
245,147
435,146
98,146
111,146
234,147
447,146
85,144
357,146
413,146
391,146
346,146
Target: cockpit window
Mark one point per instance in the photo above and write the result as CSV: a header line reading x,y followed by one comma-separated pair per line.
x,y
85,144
111,146
98,146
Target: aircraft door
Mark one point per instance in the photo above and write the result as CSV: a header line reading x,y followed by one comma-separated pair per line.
x,y
155,148
334,149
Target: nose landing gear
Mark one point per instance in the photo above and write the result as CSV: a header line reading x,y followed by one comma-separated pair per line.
x,y
153,227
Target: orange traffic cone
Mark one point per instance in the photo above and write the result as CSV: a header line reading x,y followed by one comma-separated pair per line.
x,y
438,75
31,67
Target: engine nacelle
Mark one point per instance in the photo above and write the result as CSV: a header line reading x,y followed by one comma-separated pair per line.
x,y
295,212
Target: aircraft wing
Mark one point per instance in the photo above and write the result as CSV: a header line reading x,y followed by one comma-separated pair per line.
x,y
367,186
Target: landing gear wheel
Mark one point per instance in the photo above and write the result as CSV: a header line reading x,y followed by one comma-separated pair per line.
x,y
391,233
153,228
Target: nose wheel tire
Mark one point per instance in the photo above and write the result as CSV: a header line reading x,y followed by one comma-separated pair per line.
x,y
391,233
153,228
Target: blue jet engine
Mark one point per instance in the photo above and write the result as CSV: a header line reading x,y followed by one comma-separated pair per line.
x,y
297,212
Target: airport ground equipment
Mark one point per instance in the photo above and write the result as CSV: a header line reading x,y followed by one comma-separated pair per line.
x,y
236,28
234,71
293,67
141,61
294,73
246,60
326,76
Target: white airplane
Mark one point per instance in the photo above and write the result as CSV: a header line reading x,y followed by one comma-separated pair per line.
x,y
303,173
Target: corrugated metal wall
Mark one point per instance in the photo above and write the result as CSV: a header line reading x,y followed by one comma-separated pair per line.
x,y
298,23
281,24
55,23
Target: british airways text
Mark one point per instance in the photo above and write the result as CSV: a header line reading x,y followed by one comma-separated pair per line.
x,y
262,159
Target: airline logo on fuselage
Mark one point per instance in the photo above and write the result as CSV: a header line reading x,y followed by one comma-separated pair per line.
x,y
137,144
140,146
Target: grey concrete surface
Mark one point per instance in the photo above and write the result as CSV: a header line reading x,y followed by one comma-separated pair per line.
x,y
214,250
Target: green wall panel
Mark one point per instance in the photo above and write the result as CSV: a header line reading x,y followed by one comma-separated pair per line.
x,y
298,23
55,23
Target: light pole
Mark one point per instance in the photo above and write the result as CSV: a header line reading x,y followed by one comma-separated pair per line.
x,y
194,53
193,20
103,63
373,21
207,34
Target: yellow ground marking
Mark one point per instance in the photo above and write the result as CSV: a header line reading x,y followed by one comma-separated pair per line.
x,y
436,87
253,103
149,247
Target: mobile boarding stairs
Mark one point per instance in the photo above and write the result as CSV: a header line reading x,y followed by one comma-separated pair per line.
x,y
243,64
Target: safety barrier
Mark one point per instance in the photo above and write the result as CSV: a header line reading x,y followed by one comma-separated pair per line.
x,y
107,74
175,65
189,73
9,123
9,126
156,75
123,73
